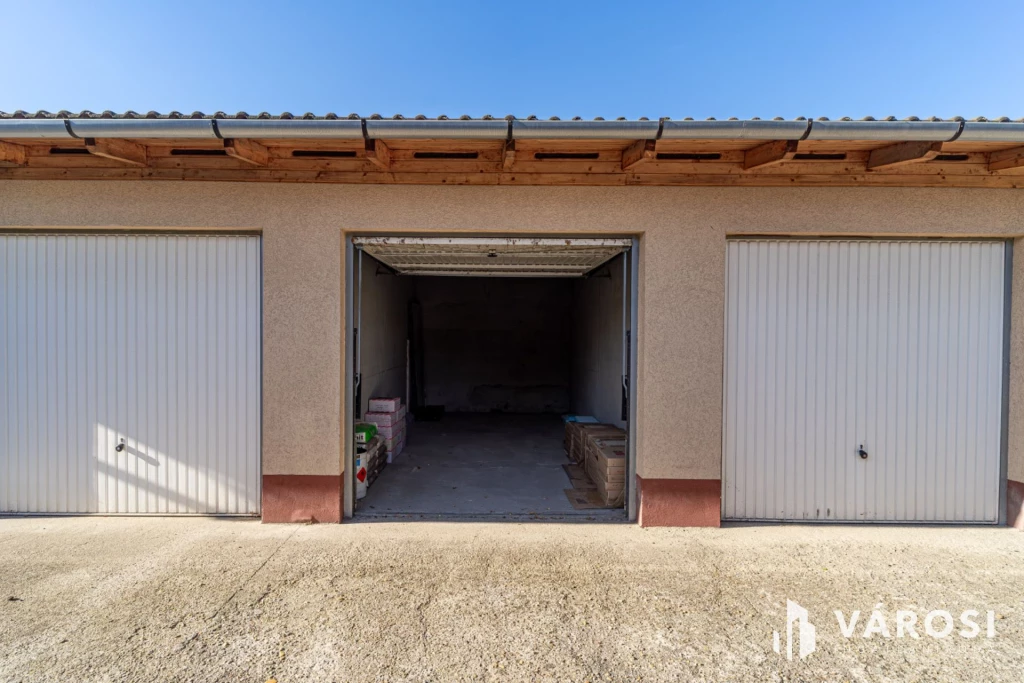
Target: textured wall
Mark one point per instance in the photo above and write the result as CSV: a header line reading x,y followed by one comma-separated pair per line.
x,y
682,280
597,338
496,343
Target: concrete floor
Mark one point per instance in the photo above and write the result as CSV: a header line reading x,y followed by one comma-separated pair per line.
x,y
480,464
120,599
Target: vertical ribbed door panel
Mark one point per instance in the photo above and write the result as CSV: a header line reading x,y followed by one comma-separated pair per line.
x,y
153,339
896,346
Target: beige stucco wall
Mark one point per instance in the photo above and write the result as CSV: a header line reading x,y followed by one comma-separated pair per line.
x,y
682,279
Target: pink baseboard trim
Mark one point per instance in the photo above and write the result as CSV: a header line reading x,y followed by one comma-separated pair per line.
x,y
1015,504
302,498
679,502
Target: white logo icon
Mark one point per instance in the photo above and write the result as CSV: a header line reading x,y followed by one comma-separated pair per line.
x,y
806,632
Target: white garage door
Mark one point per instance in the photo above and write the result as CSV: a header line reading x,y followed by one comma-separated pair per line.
x,y
863,380
130,374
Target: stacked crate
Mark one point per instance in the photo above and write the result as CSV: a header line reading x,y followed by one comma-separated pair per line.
x,y
389,416
577,433
605,464
375,459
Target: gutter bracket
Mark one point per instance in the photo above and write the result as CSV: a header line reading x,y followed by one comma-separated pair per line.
x,y
807,131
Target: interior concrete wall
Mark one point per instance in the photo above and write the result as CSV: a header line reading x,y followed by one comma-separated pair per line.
x,y
496,344
682,280
385,301
597,337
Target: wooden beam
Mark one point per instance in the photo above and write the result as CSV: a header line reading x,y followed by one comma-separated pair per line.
x,y
248,151
638,153
508,156
1006,160
903,153
770,153
378,154
11,153
736,178
125,151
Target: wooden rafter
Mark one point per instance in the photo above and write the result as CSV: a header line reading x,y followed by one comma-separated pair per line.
x,y
806,175
378,154
12,153
1006,160
637,153
249,151
903,153
560,162
508,155
125,151
770,153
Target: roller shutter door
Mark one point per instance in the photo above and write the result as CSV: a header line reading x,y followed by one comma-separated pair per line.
x,y
153,340
838,349
494,256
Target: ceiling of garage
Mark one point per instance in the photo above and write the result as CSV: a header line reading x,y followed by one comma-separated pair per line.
x,y
494,257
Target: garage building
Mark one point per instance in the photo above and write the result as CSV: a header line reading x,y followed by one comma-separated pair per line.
x,y
797,321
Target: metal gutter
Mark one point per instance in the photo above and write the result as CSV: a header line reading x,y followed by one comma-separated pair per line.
x,y
734,130
34,128
325,129
584,130
925,131
1009,132
992,131
419,129
141,128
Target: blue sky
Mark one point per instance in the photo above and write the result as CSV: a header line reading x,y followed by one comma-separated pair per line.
x,y
700,59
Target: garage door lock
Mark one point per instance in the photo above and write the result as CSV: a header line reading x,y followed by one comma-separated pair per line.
x,y
862,453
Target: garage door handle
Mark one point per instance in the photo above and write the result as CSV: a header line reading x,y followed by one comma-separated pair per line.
x,y
862,453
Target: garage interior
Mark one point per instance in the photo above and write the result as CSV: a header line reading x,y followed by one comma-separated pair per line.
x,y
489,343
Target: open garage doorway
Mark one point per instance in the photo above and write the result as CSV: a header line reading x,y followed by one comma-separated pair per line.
x,y
490,377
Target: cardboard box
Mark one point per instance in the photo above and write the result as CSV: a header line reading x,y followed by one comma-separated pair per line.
x,y
384,419
389,431
392,441
375,459
607,464
579,433
384,405
612,450
604,454
397,450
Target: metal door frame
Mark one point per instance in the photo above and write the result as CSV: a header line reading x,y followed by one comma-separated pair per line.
x,y
352,256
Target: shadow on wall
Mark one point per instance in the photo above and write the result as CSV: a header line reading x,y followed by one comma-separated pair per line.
x,y
142,477
218,476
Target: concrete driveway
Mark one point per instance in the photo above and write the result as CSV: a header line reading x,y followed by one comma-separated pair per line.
x,y
94,599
